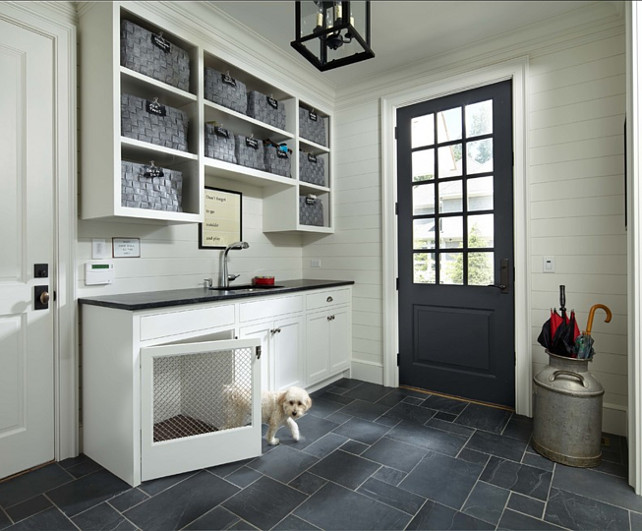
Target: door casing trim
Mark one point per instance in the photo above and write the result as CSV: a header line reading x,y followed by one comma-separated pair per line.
x,y
429,88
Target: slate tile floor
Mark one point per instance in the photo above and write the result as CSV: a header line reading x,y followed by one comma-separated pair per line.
x,y
370,457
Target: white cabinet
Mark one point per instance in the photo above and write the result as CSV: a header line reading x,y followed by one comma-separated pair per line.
x,y
103,82
139,384
282,353
328,335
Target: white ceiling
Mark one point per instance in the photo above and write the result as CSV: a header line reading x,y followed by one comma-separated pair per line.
x,y
405,32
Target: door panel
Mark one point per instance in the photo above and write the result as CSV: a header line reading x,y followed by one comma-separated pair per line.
x,y
26,238
455,254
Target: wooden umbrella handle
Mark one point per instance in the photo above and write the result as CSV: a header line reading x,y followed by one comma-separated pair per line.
x,y
589,324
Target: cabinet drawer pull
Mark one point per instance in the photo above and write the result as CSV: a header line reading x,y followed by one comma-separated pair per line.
x,y
330,317
329,299
275,331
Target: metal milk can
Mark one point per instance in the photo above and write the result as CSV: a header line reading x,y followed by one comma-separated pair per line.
x,y
567,412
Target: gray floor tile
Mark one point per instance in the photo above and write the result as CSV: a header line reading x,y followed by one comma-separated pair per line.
x,y
322,407
535,459
77,496
450,427
28,485
217,518
576,512
528,480
364,410
486,502
410,413
283,464
484,418
597,486
519,427
345,469
183,503
391,495
335,507
102,517
395,454
429,438
436,516
512,520
49,519
443,479
354,447
490,443
636,520
311,428
243,477
473,456
28,508
128,499
446,405
526,505
307,483
264,503
293,523
368,391
390,475
362,431
325,445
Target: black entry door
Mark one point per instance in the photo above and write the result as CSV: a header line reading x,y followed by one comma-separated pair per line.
x,y
455,223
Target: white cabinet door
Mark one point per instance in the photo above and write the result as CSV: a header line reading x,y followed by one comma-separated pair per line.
x,y
340,340
196,397
318,347
287,352
282,351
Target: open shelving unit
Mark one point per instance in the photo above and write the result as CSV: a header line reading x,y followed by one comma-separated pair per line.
x,y
102,82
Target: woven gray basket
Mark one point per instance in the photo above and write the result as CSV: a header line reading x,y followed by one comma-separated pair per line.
x,y
311,169
153,55
250,152
266,109
219,143
277,161
148,121
225,90
310,210
312,126
144,186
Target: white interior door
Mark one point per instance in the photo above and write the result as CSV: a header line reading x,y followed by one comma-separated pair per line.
x,y
26,239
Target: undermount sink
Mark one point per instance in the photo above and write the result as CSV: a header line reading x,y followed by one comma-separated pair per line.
x,y
246,288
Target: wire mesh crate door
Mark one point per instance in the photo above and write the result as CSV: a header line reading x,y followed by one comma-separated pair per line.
x,y
200,393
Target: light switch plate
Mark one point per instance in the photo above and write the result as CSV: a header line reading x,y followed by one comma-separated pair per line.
x,y
549,264
100,249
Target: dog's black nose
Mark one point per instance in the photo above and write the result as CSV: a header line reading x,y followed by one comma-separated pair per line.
x,y
294,413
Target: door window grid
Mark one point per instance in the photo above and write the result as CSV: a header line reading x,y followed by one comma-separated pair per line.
x,y
453,206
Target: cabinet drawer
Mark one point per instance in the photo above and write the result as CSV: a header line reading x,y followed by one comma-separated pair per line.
x,y
182,322
266,309
327,298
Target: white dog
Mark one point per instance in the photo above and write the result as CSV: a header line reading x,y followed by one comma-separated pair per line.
x,y
281,408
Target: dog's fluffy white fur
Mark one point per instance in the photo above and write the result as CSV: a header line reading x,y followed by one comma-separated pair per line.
x,y
281,409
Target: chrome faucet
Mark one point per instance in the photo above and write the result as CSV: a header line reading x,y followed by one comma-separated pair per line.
x,y
227,278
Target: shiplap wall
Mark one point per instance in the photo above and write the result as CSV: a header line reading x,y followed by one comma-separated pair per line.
x,y
575,164
170,257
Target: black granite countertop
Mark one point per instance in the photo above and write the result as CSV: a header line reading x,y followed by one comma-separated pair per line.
x,y
177,297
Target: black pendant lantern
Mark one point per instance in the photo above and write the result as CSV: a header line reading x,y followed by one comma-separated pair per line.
x,y
333,34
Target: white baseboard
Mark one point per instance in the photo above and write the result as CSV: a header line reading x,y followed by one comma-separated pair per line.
x,y
614,419
367,371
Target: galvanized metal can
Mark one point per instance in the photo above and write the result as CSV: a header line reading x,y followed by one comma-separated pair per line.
x,y
567,412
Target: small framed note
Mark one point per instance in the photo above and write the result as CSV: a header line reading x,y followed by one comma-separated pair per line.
x,y
125,247
221,219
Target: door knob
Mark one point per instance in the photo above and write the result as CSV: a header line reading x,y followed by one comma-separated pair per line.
x,y
40,297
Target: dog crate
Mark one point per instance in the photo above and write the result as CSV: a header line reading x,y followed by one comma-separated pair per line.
x,y
200,405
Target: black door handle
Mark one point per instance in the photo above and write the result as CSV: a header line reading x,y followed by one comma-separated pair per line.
x,y
503,276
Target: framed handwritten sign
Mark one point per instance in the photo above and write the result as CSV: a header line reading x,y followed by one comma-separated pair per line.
x,y
221,220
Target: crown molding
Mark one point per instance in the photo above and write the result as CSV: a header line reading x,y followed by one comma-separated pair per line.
x,y
61,12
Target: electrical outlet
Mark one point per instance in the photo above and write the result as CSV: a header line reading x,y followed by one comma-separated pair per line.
x,y
315,262
549,264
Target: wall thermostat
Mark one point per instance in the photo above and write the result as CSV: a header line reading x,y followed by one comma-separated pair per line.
x,y
99,273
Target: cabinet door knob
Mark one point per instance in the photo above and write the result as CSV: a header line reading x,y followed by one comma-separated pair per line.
x,y
329,299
